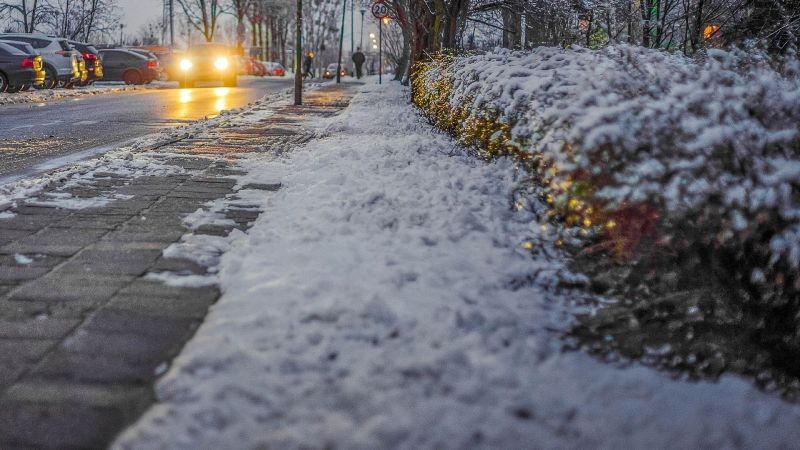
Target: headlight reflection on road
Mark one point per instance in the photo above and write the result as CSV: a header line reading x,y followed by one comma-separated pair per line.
x,y
184,100
220,93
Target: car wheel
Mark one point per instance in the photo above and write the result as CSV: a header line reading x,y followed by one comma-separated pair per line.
x,y
25,87
50,80
13,89
66,84
132,77
230,82
3,83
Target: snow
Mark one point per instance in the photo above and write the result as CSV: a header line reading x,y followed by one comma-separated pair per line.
x,y
386,299
46,95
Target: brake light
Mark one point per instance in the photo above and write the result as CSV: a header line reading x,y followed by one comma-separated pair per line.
x,y
152,64
89,56
27,62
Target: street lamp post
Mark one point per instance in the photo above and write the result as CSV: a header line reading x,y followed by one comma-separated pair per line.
x,y
121,26
362,10
341,41
298,55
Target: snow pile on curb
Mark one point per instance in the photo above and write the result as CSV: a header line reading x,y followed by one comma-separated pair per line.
x,y
384,300
45,95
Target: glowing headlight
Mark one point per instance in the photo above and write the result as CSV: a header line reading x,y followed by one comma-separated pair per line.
x,y
221,63
186,64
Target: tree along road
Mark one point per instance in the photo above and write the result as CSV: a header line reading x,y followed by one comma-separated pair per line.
x,y
33,137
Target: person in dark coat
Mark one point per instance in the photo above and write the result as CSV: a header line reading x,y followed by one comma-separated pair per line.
x,y
307,65
358,59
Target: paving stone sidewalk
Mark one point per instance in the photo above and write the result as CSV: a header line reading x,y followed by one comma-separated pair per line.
x,y
83,334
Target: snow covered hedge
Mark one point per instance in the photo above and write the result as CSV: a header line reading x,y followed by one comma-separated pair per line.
x,y
653,151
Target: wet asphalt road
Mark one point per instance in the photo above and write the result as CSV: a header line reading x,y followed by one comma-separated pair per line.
x,y
34,135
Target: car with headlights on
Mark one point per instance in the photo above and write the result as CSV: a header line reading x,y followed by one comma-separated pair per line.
x,y
38,67
16,68
330,71
206,62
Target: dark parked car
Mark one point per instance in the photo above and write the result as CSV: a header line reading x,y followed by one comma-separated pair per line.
x,y
158,68
16,68
61,62
38,67
205,62
91,56
130,67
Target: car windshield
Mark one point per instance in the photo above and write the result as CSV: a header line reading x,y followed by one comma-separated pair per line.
x,y
331,66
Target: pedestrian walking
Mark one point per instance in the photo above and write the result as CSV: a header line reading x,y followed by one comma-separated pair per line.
x,y
307,65
358,59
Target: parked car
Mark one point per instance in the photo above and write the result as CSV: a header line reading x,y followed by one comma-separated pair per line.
x,y
38,67
330,71
91,56
159,69
61,63
276,69
206,62
130,67
16,67
259,69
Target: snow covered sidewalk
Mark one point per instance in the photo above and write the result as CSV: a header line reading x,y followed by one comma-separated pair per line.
x,y
384,300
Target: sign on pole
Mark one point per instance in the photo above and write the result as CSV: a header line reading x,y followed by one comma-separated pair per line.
x,y
380,10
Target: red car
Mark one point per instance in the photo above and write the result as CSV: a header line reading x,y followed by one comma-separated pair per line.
x,y
275,69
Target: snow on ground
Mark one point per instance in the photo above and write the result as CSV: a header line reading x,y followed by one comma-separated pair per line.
x,y
377,303
104,87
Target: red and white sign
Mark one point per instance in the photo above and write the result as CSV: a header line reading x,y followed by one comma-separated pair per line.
x,y
380,10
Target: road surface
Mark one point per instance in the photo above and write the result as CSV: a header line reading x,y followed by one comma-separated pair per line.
x,y
33,134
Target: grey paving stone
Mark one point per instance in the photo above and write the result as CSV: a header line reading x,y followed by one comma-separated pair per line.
x,y
214,230
143,235
263,186
128,346
17,355
44,421
49,211
32,309
26,222
116,320
106,222
185,307
56,241
36,328
18,274
245,214
93,368
177,205
9,235
59,286
178,265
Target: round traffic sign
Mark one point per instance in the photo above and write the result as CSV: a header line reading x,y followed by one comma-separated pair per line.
x,y
380,10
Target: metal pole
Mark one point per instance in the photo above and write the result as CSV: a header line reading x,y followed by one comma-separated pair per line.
x,y
352,32
298,55
341,41
380,51
361,43
171,24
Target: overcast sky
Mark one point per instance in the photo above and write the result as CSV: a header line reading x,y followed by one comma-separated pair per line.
x,y
136,13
